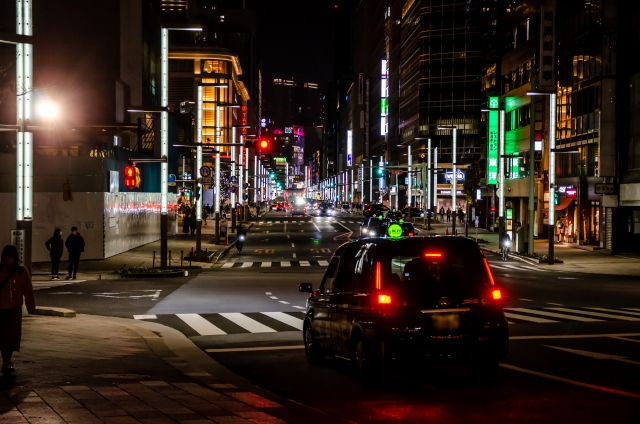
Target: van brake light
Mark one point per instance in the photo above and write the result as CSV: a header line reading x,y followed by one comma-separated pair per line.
x,y
384,299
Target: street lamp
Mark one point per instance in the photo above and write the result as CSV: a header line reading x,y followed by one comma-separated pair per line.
x,y
48,110
454,180
552,167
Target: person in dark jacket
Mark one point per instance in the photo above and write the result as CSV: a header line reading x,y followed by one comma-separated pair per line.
x,y
55,246
193,222
75,246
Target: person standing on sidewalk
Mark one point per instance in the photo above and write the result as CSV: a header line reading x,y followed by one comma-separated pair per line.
x,y
55,246
75,246
15,284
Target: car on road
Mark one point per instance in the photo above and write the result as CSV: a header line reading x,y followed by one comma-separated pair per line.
x,y
408,230
346,208
372,227
299,209
394,215
415,213
374,210
407,300
281,207
324,210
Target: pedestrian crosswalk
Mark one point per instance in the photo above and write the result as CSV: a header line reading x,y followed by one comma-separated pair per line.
x,y
281,264
303,221
230,322
515,267
220,324
550,315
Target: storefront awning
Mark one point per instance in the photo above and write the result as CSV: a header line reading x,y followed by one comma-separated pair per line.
x,y
564,202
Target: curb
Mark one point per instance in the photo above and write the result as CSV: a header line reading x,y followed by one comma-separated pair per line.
x,y
174,274
55,312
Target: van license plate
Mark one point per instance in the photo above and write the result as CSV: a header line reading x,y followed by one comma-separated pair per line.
x,y
445,322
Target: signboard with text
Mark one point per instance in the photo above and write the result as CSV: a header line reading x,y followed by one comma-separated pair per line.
x,y
492,140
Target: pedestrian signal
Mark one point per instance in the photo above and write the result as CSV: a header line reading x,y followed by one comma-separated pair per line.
x,y
132,177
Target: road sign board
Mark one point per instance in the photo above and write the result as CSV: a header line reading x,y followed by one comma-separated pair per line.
x,y
604,188
205,171
207,180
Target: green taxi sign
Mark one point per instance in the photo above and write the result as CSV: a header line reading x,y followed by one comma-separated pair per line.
x,y
509,213
394,231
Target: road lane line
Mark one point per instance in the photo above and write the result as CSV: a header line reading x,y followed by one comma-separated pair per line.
x,y
294,255
285,318
253,349
314,224
534,268
288,236
285,263
575,336
526,318
555,304
300,307
323,263
247,323
615,310
305,263
631,309
229,264
526,300
268,293
145,317
265,265
553,314
283,302
246,264
626,339
200,325
512,267
595,314
293,245
273,297
574,382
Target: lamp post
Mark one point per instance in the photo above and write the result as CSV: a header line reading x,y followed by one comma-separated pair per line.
x,y
552,168
454,179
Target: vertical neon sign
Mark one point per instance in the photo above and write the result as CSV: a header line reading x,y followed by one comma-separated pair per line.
x,y
492,140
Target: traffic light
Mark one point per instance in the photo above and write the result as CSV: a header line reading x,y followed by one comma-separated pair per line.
x,y
132,177
381,171
272,175
264,144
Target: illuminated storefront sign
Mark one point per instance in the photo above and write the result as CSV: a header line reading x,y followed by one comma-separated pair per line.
x,y
384,93
492,145
349,147
459,175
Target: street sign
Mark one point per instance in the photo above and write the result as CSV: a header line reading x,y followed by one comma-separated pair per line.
x,y
604,188
17,239
171,178
571,193
205,171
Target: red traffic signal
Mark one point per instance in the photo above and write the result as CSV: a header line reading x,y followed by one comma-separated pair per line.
x,y
264,144
131,177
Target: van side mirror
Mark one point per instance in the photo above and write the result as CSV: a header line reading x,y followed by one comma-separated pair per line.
x,y
305,288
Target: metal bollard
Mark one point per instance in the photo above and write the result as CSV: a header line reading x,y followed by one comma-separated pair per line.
x,y
154,259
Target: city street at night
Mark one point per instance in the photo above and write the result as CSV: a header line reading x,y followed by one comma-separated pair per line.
x,y
320,211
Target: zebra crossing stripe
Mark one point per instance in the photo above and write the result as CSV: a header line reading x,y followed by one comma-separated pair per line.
x,y
632,309
228,264
285,318
249,324
615,310
285,263
200,325
527,318
534,268
145,317
595,314
305,263
247,265
553,314
265,264
323,263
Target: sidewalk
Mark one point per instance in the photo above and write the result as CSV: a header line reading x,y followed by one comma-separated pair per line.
x,y
93,369
142,256
573,258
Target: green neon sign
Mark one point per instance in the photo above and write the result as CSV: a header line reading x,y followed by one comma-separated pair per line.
x,y
280,159
492,141
508,213
394,231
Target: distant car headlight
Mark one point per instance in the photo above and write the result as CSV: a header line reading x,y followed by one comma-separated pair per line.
x,y
372,233
422,215
364,230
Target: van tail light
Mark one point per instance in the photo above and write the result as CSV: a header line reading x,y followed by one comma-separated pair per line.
x,y
384,299
496,295
411,234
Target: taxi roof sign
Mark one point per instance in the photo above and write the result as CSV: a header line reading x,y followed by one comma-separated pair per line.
x,y
395,231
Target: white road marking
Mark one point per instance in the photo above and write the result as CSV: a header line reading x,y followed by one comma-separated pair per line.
x,y
351,222
229,264
273,297
497,266
574,382
200,325
283,302
277,222
532,268
305,263
285,263
526,300
293,245
526,318
595,314
253,349
632,309
287,319
247,323
512,267
267,293
615,310
555,304
568,278
294,255
553,314
288,236
247,265
596,355
145,317
626,339
300,307
265,265
575,336
323,263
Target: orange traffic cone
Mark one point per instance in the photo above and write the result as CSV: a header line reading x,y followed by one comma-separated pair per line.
x,y
447,232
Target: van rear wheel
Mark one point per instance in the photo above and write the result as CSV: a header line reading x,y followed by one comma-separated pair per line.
x,y
313,353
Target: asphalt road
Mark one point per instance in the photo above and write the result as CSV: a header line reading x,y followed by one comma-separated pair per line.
x,y
574,350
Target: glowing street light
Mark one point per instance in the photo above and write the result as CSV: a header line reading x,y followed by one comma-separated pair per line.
x,y
48,110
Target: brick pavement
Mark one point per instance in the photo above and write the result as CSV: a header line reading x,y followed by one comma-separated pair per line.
x,y
93,369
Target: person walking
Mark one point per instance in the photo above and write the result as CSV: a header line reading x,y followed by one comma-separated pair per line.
x,y
448,214
15,284
193,223
185,222
460,216
205,215
559,229
442,215
55,246
75,246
